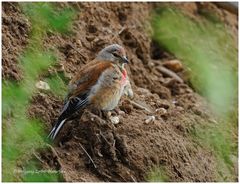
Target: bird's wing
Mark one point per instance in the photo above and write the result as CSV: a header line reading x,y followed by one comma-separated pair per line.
x,y
80,86
87,77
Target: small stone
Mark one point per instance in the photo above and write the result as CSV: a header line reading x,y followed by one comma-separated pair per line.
x,y
151,64
150,119
213,121
67,75
109,114
161,111
60,67
42,85
142,91
179,108
67,154
152,103
174,102
174,65
121,112
189,90
90,38
42,94
114,119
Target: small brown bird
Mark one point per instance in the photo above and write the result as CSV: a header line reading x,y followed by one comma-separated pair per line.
x,y
100,83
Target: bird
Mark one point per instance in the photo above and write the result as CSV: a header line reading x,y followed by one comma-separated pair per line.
x,y
100,84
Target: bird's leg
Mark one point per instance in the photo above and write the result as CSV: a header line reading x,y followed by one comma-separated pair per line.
x,y
101,113
96,111
114,112
105,114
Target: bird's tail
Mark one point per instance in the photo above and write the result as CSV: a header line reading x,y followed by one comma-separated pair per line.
x,y
57,127
70,107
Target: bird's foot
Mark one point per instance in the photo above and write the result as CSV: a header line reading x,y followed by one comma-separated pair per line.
x,y
108,116
101,113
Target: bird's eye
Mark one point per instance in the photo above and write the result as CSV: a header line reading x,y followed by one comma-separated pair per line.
x,y
115,54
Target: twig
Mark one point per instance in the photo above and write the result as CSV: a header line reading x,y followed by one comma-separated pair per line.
x,y
169,73
37,157
104,138
121,177
75,137
55,153
115,35
58,160
52,149
133,179
123,28
140,106
88,155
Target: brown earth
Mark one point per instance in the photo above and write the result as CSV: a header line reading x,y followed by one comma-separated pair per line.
x,y
128,150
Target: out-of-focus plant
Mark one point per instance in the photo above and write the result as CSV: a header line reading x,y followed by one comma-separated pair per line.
x,y
210,53
207,49
21,135
57,84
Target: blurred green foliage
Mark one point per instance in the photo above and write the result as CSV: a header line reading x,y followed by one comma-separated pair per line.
x,y
57,84
21,135
210,53
46,16
32,173
207,49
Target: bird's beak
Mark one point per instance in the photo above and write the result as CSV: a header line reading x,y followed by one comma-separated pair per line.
x,y
125,59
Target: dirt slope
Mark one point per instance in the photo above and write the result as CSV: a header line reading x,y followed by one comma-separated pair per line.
x,y
125,151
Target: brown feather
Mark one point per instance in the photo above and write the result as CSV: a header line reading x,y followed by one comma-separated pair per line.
x,y
87,77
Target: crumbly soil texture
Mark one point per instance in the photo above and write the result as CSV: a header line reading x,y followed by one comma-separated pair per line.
x,y
154,129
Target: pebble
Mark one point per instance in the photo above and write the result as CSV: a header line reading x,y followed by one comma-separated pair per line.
x,y
174,65
42,85
121,112
150,119
179,108
109,114
161,111
142,91
114,119
213,121
152,103
174,102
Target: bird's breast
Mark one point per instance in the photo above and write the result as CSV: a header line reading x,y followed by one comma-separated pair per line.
x,y
107,92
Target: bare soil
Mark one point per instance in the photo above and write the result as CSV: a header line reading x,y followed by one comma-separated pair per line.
x,y
128,150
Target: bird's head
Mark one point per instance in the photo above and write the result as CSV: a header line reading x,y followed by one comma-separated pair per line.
x,y
114,53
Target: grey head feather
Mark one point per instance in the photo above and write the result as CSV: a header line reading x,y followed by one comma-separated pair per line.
x,y
106,53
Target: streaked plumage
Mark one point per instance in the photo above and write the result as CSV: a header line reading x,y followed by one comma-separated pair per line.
x,y
100,83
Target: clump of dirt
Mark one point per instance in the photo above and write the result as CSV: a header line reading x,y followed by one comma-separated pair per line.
x,y
15,29
128,150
